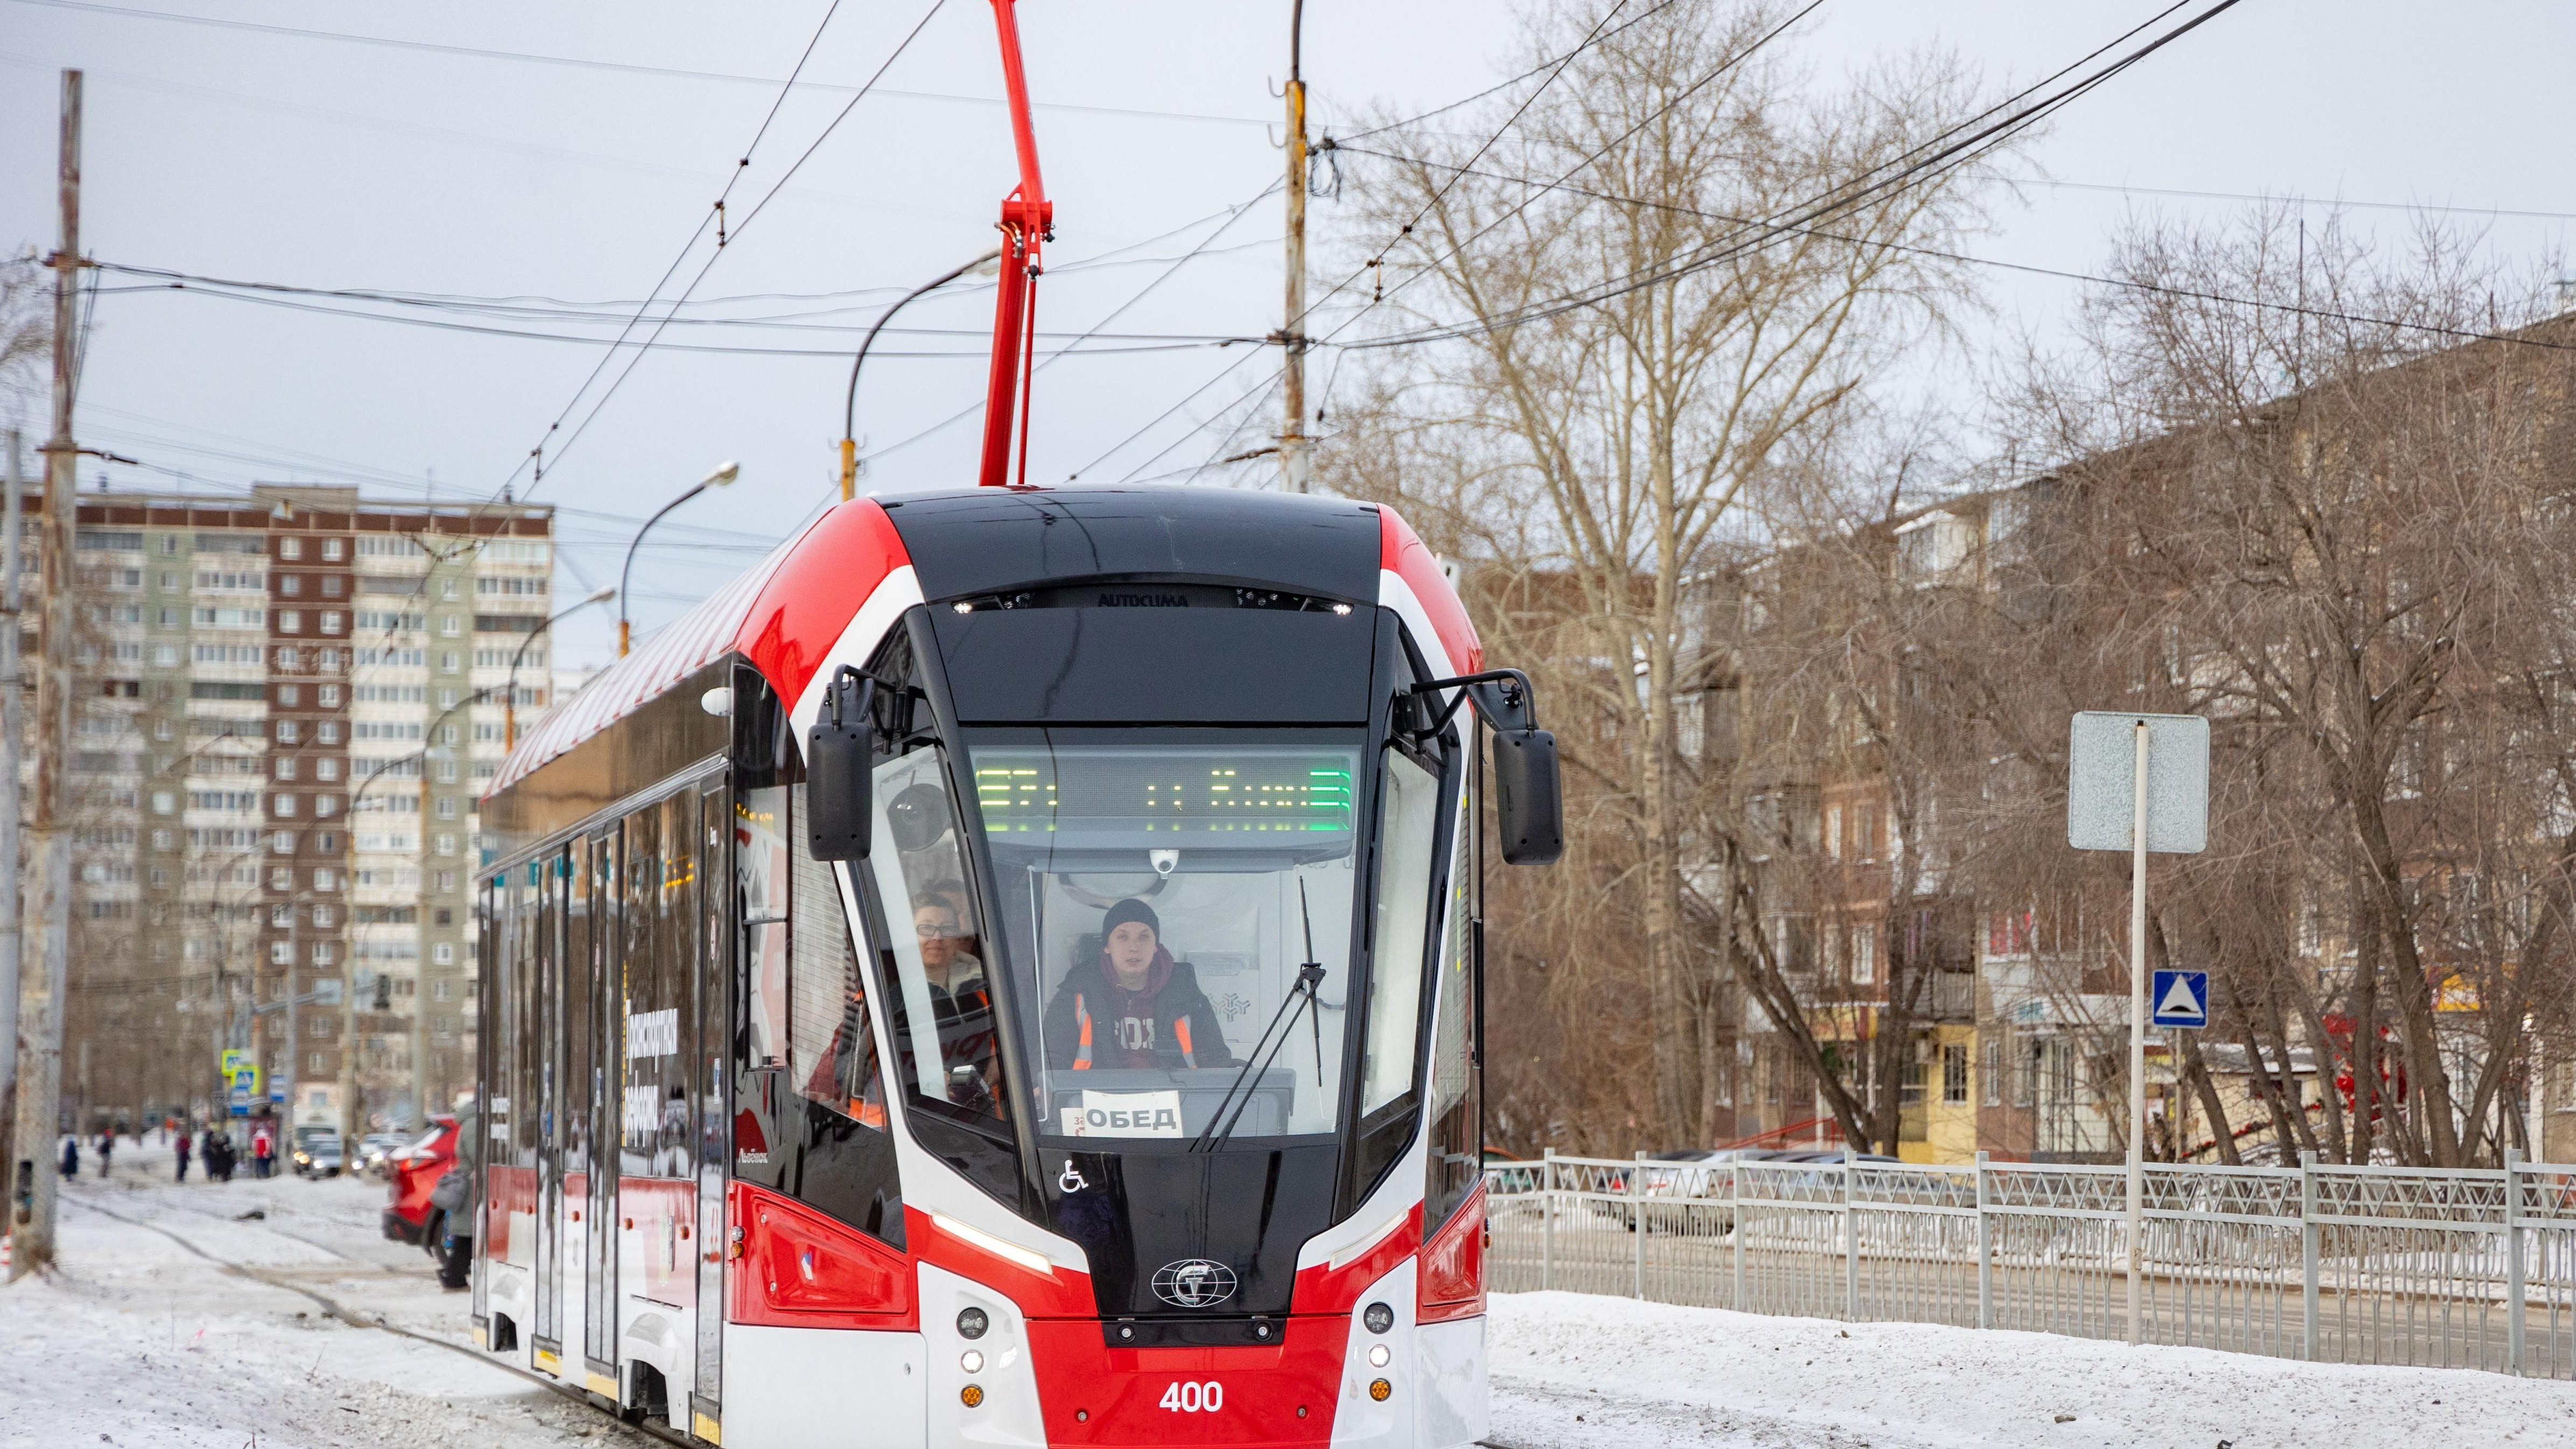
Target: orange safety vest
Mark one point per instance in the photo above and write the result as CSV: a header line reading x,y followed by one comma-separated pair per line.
x,y
1082,1040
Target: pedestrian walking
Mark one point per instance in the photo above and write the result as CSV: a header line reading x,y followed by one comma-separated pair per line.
x,y
263,1150
106,1150
178,1156
71,1155
217,1150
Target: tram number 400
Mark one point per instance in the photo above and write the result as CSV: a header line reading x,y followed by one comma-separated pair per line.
x,y
1184,1397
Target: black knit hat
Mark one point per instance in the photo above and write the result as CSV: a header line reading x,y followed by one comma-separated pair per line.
x,y
1127,910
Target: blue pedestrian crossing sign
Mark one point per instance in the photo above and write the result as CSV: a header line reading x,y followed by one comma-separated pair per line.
x,y
2180,998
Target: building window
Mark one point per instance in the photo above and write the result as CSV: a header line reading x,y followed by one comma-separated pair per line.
x,y
446,843
327,660
447,880
286,732
447,807
447,589
286,658
282,842
326,879
1990,1088
328,696
447,660
290,548
447,772
283,805
290,695
169,618
330,621
281,879
447,699
290,584
169,544
325,806
442,954
327,732
1834,831
290,621
286,767
326,768
438,989
324,953
322,918
331,586
1954,1073
163,802
331,548
281,953
320,1026
1864,952
160,839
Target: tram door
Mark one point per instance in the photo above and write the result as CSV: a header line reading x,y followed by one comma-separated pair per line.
x,y
603,1022
715,1101
575,1086
546,962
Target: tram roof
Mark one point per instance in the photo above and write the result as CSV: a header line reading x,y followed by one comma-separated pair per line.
x,y
790,608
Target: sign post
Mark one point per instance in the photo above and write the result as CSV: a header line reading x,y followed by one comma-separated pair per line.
x,y
2163,761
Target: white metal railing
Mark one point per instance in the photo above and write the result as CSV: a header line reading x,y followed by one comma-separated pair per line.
x,y
2470,1268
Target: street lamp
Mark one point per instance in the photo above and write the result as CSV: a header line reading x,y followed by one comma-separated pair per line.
x,y
984,266
724,473
510,697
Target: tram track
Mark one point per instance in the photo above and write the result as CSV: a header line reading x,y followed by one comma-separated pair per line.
x,y
639,1434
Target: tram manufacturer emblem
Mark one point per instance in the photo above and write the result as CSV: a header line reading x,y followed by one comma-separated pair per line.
x,y
1194,1283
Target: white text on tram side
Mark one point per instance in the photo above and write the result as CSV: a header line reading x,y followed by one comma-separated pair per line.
x,y
653,1034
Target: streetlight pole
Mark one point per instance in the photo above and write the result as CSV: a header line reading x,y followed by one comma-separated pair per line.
x,y
510,698
982,266
724,473
1292,331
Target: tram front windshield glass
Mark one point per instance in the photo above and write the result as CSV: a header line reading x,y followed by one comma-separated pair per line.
x,y
1161,891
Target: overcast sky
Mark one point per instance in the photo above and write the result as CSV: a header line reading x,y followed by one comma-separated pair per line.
x,y
317,162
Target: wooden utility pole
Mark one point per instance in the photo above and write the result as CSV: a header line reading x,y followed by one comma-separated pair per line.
x,y
1292,331
48,922
12,738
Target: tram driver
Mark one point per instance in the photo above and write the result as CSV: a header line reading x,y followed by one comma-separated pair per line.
x,y
1135,1006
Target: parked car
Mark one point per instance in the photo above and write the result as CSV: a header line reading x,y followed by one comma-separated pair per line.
x,y
411,1172
317,1153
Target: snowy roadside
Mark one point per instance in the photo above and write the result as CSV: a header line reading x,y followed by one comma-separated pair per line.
x,y
1574,1370
141,1344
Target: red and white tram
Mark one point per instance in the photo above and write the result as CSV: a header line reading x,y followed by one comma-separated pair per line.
x,y
1006,970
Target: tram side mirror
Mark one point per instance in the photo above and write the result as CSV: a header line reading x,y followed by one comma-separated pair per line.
x,y
836,770
1529,801
1505,703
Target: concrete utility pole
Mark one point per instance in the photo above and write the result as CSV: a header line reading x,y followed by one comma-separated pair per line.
x,y
1292,331
40,1031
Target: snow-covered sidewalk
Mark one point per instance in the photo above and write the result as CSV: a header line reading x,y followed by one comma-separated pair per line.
x,y
140,1343
1572,1370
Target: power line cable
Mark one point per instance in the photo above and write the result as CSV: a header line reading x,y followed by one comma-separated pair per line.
x,y
620,67
1843,197
2094,279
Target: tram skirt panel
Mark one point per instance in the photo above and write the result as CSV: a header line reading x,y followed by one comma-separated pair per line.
x,y
823,1388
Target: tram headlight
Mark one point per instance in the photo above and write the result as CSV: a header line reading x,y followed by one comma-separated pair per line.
x,y
1378,1356
971,1323
1378,1317
971,1361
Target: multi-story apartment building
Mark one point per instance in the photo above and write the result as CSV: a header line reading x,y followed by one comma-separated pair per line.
x,y
297,696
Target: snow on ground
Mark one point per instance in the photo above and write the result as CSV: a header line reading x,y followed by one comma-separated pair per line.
x,y
1571,1370
138,1343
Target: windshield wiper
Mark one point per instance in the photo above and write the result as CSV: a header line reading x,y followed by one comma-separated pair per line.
x,y
1301,997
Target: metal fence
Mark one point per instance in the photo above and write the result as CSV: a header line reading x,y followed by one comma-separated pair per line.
x,y
2468,1268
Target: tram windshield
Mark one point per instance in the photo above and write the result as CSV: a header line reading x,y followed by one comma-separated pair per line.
x,y
1161,893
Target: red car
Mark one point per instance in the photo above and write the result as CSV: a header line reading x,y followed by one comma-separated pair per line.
x,y
413,1171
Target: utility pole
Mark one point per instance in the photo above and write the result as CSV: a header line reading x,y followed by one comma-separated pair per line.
x,y
40,1031
1292,331
12,679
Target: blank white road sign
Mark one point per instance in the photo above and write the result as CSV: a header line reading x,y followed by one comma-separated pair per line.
x,y
2101,781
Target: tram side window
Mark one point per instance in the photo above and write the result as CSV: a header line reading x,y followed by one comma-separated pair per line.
x,y
832,1053
944,1042
810,1119
658,994
1408,832
1457,1119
